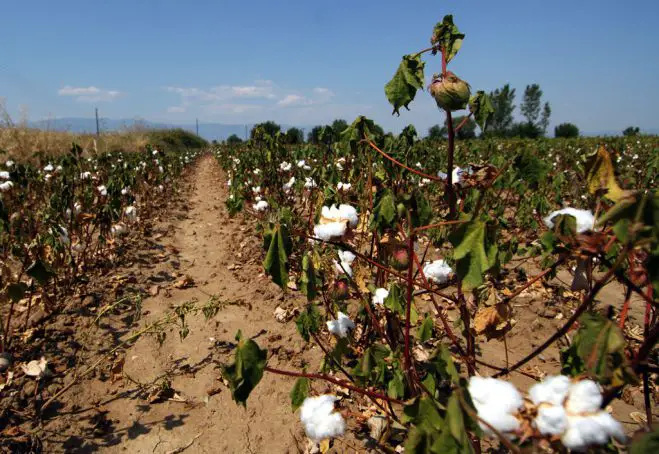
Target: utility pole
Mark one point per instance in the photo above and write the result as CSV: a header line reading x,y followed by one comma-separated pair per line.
x,y
98,129
197,126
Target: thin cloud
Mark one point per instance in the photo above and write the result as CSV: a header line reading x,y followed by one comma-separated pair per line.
x,y
294,100
89,94
176,109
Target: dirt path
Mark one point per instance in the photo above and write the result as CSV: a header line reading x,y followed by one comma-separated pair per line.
x,y
222,257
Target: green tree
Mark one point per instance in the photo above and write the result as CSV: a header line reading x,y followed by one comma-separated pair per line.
x,y
233,139
314,135
294,136
536,122
338,126
437,132
566,130
269,127
631,131
468,131
503,100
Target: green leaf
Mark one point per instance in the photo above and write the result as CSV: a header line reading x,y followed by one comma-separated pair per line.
x,y
299,392
480,105
308,322
475,252
308,278
384,211
395,301
419,441
447,36
247,370
425,330
40,271
422,412
371,367
16,291
276,259
401,89
646,444
396,386
530,168
598,349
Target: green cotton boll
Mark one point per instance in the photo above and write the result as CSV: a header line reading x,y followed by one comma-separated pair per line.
x,y
450,92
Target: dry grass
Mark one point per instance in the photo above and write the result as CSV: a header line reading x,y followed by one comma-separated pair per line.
x,y
20,142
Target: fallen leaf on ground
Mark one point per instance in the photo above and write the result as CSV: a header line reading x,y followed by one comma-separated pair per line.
x,y
186,282
37,369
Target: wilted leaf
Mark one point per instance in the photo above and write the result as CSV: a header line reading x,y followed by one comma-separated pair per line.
x,y
492,320
247,370
645,443
425,330
600,174
16,291
276,259
308,322
308,278
401,89
40,271
447,36
480,105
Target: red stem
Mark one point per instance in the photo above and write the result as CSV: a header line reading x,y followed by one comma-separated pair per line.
x,y
408,309
425,175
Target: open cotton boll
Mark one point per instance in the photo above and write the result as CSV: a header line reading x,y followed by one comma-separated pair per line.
x,y
585,219
496,402
4,175
9,164
285,166
584,397
343,267
119,229
341,326
287,186
49,168
102,190
437,271
131,213
257,171
380,295
125,191
331,230
319,418
553,390
350,213
262,205
309,183
6,186
347,257
256,189
551,419
584,431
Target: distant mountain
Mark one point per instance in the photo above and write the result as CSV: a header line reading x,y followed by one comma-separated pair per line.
x,y
209,131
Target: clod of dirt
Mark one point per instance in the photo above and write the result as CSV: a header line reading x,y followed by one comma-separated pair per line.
x,y
5,361
186,282
154,290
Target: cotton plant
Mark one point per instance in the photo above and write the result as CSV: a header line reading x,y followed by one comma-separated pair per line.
x,y
343,187
260,206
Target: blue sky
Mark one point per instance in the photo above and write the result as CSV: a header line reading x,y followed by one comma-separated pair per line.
x,y
307,62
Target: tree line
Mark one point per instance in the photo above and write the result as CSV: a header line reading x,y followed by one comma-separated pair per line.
x,y
536,116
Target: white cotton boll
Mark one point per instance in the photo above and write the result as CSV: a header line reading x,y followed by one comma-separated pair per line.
x,y
160,169
102,190
161,188
437,271
258,198
47,177
257,171
58,169
424,181
262,205
343,267
343,187
131,213
9,164
256,189
319,418
4,175
553,390
347,257
285,166
584,431
341,326
585,219
77,207
85,175
495,401
49,168
119,229
125,191
380,295
584,397
309,183
500,420
551,419
350,213
418,165
6,186
287,186
331,230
